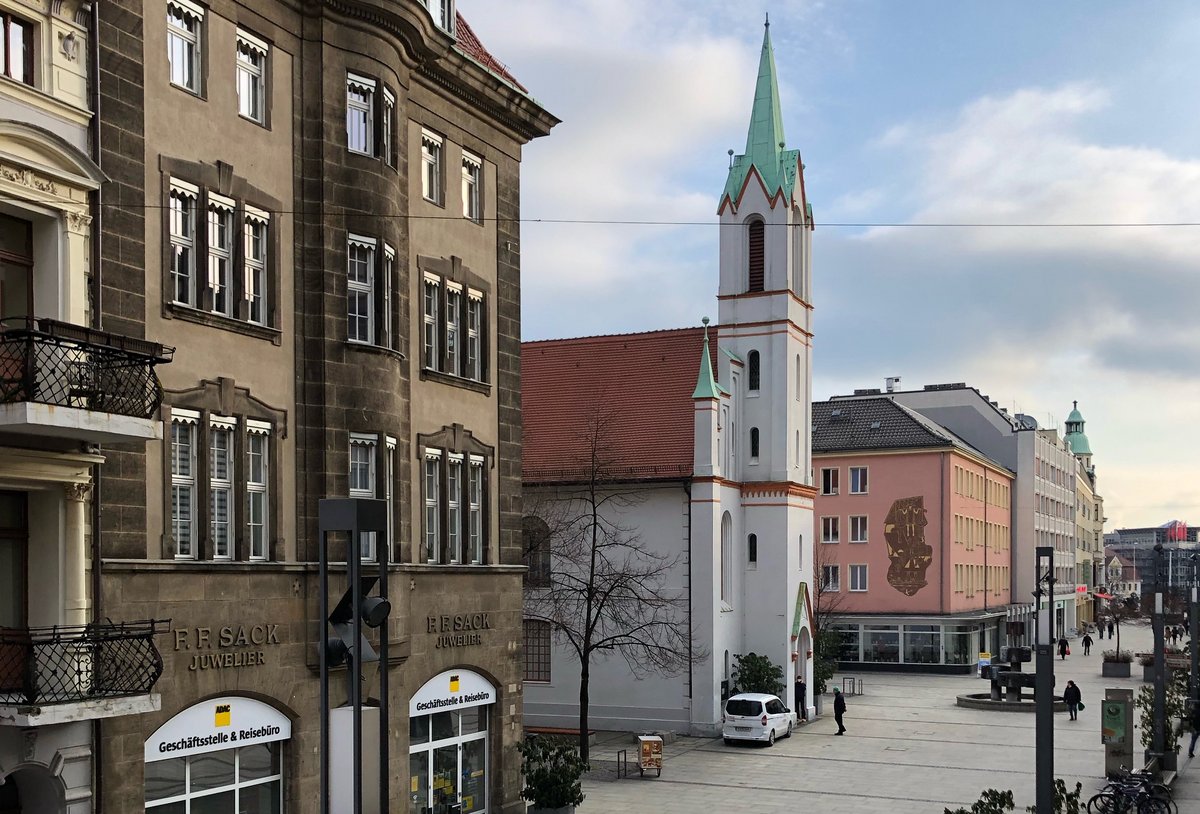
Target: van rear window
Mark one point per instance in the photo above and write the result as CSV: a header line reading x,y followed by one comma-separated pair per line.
x,y
742,706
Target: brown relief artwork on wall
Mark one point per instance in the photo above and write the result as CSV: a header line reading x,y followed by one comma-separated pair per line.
x,y
904,529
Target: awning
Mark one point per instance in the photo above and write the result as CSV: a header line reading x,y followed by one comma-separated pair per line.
x,y
1099,595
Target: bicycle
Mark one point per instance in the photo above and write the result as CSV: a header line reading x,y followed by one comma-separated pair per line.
x,y
1133,791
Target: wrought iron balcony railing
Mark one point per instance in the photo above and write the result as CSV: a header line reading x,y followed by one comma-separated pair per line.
x,y
52,362
60,665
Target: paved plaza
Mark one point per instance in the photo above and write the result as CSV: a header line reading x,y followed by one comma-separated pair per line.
x,y
908,748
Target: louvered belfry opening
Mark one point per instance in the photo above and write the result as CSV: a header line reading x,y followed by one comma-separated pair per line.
x,y
757,261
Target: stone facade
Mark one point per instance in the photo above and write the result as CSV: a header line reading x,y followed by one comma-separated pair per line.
x,y
304,384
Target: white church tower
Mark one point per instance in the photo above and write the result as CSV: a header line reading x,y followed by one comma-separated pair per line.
x,y
752,502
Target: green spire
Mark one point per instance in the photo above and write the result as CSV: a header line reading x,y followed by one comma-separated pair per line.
x,y
764,140
706,383
1075,436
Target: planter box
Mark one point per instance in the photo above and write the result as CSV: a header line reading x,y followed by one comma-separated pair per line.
x,y
1115,669
563,810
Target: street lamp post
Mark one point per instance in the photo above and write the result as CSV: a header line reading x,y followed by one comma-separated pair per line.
x,y
1044,638
1159,741
1194,633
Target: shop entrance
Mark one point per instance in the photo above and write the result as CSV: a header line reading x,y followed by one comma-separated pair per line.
x,y
448,744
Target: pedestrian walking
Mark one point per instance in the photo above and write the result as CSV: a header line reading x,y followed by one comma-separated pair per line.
x,y
1110,629
1087,644
1074,698
1195,729
839,709
1100,629
801,697
1063,648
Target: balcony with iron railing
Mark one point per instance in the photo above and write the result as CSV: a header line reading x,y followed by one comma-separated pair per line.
x,y
60,674
69,381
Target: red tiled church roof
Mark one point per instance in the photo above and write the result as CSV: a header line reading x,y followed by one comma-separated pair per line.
x,y
472,47
641,383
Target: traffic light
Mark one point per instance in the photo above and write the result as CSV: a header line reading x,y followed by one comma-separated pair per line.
x,y
372,610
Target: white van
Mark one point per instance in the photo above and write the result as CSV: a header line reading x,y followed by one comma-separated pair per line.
x,y
754,716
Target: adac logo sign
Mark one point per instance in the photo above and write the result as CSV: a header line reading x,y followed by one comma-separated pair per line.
x,y
222,715
453,689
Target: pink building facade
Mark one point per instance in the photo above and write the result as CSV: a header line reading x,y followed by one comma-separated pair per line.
x,y
913,539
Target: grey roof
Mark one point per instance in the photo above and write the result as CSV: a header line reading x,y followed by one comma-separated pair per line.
x,y
877,424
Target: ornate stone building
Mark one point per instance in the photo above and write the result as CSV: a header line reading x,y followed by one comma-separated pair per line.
x,y
317,204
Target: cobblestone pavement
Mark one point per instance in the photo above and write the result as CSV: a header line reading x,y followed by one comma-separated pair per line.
x,y
908,748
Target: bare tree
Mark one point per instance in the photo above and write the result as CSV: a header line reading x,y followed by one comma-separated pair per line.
x,y
827,604
606,590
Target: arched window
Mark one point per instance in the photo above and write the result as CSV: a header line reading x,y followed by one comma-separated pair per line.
x,y
724,562
753,444
799,379
800,554
755,256
752,549
535,540
753,372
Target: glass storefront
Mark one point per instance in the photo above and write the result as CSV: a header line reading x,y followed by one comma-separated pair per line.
x,y
881,643
922,644
848,647
448,750
927,644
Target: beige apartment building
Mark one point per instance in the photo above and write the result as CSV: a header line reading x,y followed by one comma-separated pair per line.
x,y
317,206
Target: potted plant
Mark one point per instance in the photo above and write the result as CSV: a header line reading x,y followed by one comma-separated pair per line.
x,y
552,771
1147,662
1176,704
1115,663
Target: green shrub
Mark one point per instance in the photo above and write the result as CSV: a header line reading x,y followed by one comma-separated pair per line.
x,y
552,773
755,673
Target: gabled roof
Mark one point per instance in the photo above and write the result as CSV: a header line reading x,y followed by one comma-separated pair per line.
x,y
879,424
640,384
470,45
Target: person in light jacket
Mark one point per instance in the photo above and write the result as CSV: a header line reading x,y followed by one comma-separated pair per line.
x,y
1074,698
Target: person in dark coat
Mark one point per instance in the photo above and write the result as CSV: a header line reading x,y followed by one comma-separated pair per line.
x,y
1110,629
1195,729
1063,647
801,698
1074,698
839,709
1087,644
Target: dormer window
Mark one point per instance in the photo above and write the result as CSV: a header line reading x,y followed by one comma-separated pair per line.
x,y
755,260
17,46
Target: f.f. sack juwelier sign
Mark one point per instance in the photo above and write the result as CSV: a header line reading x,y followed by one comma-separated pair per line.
x,y
229,646
460,630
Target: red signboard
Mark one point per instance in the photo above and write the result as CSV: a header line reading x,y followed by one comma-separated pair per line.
x,y
1081,589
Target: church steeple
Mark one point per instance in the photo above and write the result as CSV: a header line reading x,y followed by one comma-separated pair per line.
x,y
765,153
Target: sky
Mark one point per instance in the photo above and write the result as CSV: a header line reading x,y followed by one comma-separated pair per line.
x,y
991,184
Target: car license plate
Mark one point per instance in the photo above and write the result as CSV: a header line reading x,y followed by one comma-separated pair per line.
x,y
741,729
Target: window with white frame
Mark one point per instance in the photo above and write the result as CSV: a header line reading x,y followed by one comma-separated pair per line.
x,y
252,76
453,325
858,528
243,779
858,578
473,369
258,488
831,578
388,148
17,47
829,480
472,176
830,530
360,289
220,485
455,502
453,328
431,167
858,480
474,510
389,268
220,253
184,23
442,12
183,482
360,114
183,242
433,491
454,485
255,234
432,307
362,482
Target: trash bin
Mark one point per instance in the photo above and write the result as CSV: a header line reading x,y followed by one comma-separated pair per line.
x,y
650,750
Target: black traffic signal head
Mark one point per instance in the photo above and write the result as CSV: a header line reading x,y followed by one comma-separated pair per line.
x,y
372,610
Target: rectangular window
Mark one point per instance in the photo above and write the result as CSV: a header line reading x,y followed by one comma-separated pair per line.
x,y
220,254
362,483
256,265
829,481
360,114
830,532
432,307
453,316
258,443
17,47
183,483
183,243
389,266
858,480
472,173
474,362
537,650
858,528
184,21
433,482
360,289
830,578
431,167
388,148
454,508
220,486
251,77
858,578
475,511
